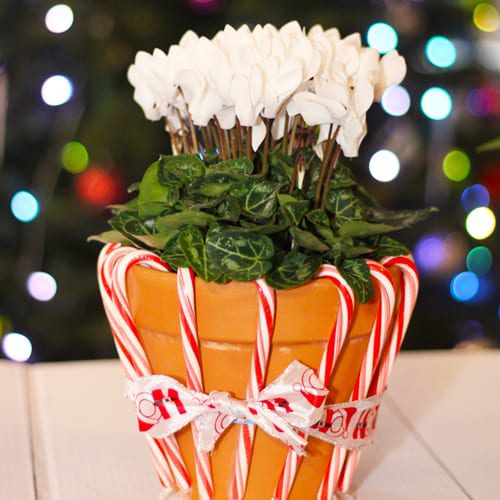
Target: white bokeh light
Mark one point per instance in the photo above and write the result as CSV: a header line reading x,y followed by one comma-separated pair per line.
x,y
59,18
480,223
17,347
41,286
384,165
436,103
396,101
57,90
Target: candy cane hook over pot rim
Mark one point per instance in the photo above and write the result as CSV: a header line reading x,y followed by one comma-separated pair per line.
x,y
330,355
165,452
409,292
374,350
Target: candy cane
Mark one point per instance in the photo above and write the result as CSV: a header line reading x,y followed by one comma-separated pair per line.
x,y
328,360
377,337
408,295
192,361
258,369
113,264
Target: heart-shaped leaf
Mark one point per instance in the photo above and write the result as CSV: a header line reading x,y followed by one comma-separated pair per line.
x,y
241,165
241,256
388,247
295,269
173,254
402,218
307,240
187,217
256,196
294,211
192,243
362,229
185,167
344,204
357,274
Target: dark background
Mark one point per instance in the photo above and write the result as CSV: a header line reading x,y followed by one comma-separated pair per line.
x,y
95,54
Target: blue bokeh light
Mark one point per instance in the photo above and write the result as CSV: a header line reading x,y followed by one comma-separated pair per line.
x,y
464,286
24,206
475,196
441,51
382,36
436,103
430,253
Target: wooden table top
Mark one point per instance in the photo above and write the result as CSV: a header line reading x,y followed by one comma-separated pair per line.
x,y
68,433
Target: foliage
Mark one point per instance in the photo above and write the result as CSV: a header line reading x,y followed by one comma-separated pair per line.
x,y
229,222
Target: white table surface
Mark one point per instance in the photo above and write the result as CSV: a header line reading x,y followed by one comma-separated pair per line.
x,y
68,433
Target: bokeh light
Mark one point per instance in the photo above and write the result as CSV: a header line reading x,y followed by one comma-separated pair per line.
x,y
475,196
486,17
59,18
17,347
430,253
441,51
480,223
74,157
98,187
456,165
384,165
479,260
24,206
41,286
464,286
396,101
481,101
204,6
57,90
436,103
382,36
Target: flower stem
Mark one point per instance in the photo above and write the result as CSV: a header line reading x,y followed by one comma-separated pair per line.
x,y
239,138
333,164
322,170
249,142
183,133
292,134
266,147
285,135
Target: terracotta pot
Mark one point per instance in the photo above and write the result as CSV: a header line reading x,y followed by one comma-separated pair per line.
x,y
227,322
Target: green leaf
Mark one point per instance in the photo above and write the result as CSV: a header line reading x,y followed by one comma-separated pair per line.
x,y
130,206
362,229
388,247
263,228
256,196
192,243
307,240
357,274
402,218
342,177
280,168
295,269
213,184
187,217
153,196
110,237
156,240
173,254
197,201
229,209
318,217
241,165
185,167
294,211
344,204
241,256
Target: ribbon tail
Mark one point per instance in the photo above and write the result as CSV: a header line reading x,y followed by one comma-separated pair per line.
x,y
211,426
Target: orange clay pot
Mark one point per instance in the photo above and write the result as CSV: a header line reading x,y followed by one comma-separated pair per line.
x,y
227,323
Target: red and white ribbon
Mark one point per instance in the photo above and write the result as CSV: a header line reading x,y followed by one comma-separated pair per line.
x,y
409,285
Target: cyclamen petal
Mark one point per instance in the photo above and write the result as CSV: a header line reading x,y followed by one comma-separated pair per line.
x,y
258,134
392,72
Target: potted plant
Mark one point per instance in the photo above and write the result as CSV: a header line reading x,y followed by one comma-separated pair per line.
x,y
252,255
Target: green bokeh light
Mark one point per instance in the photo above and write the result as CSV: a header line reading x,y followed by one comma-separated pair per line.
x,y
74,157
479,260
456,165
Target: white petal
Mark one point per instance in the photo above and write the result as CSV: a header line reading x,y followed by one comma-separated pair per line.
x,y
226,117
392,72
363,96
258,134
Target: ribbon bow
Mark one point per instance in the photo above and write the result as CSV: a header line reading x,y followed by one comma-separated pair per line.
x,y
289,408
292,403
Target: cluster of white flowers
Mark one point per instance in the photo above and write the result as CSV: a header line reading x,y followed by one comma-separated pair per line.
x,y
267,73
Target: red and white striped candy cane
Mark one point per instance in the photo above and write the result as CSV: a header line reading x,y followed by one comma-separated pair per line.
x,y
258,369
325,370
408,296
192,361
113,264
378,335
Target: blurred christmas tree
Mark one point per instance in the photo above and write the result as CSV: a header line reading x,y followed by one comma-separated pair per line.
x,y
73,139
